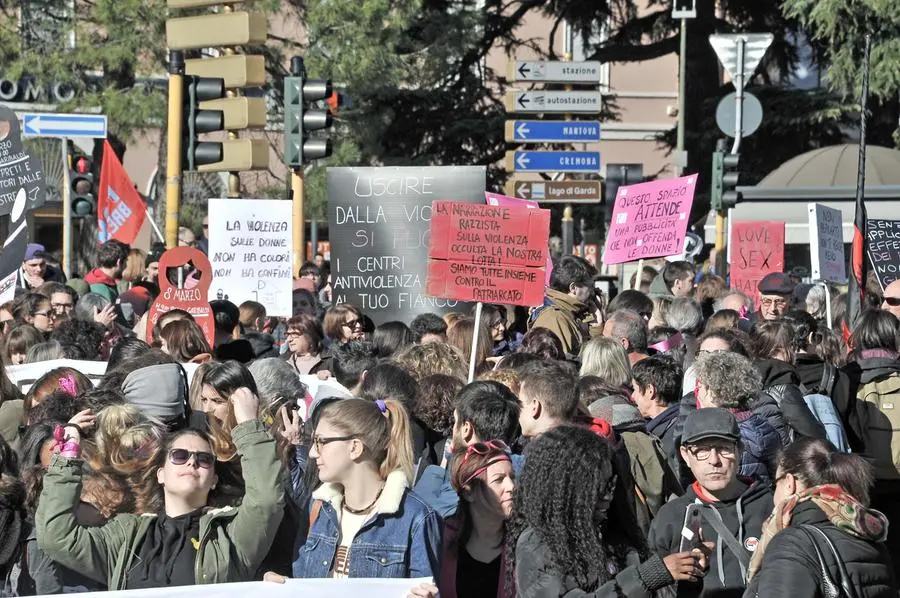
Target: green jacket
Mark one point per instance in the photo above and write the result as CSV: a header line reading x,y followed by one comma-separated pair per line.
x,y
563,315
233,540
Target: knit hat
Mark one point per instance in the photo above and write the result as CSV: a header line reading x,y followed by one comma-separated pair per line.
x,y
158,390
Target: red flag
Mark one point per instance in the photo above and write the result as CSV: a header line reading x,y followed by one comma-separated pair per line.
x,y
120,209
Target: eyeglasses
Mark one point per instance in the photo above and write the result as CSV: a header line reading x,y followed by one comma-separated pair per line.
x,y
768,302
202,459
483,448
293,333
892,301
62,307
319,442
46,314
702,453
352,324
497,323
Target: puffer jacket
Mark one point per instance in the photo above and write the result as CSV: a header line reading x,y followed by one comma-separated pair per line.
x,y
781,383
760,444
790,567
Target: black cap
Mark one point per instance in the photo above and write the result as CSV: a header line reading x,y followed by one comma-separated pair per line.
x,y
776,283
710,422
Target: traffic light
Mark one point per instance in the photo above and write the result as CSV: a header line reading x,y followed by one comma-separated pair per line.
x,y
725,176
197,121
82,197
300,119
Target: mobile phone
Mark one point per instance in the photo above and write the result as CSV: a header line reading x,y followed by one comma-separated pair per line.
x,y
690,532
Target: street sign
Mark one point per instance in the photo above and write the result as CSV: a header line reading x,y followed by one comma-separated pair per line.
x,y
553,161
553,101
726,114
555,72
64,125
555,191
684,9
727,47
552,131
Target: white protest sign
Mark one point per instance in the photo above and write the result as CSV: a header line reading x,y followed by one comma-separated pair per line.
x,y
291,588
250,252
8,287
826,244
26,374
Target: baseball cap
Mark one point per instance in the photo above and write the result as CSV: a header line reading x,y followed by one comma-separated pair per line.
x,y
33,251
776,283
710,422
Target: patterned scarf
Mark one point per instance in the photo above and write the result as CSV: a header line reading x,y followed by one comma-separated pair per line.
x,y
843,511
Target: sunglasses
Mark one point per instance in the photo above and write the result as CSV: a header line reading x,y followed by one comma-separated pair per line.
x,y
352,324
201,458
483,448
892,301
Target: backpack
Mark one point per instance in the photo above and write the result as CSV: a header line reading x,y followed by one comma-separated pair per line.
x,y
878,409
823,409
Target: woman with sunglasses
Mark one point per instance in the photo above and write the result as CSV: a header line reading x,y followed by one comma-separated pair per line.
x,y
473,562
343,323
186,543
366,522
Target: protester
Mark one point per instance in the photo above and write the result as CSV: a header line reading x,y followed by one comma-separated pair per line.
x,y
776,292
351,361
429,328
62,298
724,319
185,341
460,335
549,396
18,342
735,301
648,275
656,392
605,358
35,310
543,343
567,303
133,270
633,300
7,319
88,337
160,550
103,279
630,329
304,345
434,358
822,525
571,537
252,316
35,271
392,337
675,278
343,323
710,287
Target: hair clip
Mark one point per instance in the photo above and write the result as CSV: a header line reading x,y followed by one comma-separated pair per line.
x,y
67,384
382,406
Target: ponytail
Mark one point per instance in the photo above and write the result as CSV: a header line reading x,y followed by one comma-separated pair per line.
x,y
399,449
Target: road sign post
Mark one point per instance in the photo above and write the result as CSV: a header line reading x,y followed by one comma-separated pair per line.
x,y
555,72
529,161
555,191
64,125
554,131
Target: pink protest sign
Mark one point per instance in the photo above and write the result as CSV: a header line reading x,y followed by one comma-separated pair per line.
x,y
504,201
650,220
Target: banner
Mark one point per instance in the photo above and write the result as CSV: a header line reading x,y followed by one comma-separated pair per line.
x,y
883,247
120,209
826,244
757,250
487,253
26,374
378,224
291,588
495,199
250,251
650,220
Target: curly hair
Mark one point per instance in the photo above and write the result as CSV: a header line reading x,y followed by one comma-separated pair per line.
x,y
565,495
731,379
436,402
433,358
88,336
507,378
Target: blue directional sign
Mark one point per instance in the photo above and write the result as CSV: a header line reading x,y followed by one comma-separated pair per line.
x,y
552,131
64,125
553,161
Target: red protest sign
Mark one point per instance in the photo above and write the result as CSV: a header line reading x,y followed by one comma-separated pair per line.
x,y
191,298
495,254
757,248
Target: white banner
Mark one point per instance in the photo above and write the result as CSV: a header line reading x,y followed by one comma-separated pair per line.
x,y
250,252
292,588
826,244
27,374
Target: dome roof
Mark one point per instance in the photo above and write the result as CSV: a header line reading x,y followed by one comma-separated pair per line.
x,y
836,166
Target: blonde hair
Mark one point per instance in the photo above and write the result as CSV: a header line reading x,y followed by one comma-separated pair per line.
x,y
460,336
606,358
134,265
432,358
507,378
387,436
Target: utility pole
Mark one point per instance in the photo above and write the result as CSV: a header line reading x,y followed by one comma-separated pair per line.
x,y
568,222
173,140
682,10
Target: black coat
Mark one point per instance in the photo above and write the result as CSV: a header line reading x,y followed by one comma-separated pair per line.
x,y
781,383
809,369
790,565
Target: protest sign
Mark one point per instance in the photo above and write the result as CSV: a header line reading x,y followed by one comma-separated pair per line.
x,y
757,250
826,244
650,220
495,199
8,287
378,224
291,588
250,252
22,189
487,253
883,247
191,297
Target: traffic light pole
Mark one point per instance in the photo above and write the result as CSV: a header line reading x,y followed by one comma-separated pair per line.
x,y
67,211
722,215
299,236
173,140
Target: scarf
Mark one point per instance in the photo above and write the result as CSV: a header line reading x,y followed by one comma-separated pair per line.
x,y
842,510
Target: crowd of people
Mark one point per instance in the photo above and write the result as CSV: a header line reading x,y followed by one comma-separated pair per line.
x,y
671,440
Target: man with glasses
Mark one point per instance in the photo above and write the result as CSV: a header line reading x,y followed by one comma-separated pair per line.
x,y
891,301
720,513
776,291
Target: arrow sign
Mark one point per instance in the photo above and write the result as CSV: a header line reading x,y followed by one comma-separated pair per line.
x,y
590,102
726,47
553,161
545,131
555,72
64,125
555,191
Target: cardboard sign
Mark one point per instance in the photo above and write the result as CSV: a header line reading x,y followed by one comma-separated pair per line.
x,y
826,244
22,189
650,220
250,251
8,287
378,223
883,247
192,297
757,250
488,253
495,199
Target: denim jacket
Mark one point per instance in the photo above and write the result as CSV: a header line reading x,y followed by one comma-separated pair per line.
x,y
402,539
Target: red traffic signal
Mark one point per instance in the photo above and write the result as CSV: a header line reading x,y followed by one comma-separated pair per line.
x,y
334,101
82,165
